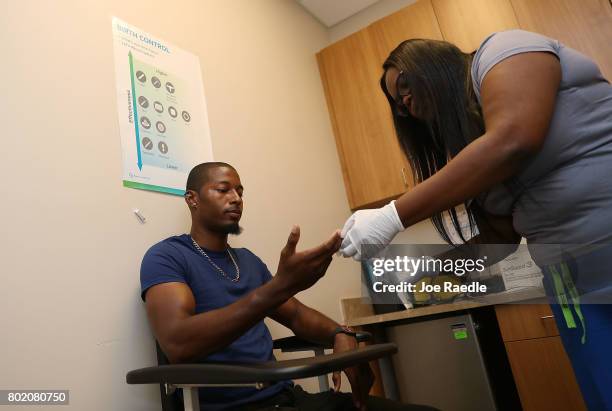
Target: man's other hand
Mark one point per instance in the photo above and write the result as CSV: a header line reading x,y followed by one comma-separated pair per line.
x,y
360,376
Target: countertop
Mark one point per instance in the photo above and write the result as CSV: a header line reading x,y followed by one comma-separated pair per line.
x,y
358,311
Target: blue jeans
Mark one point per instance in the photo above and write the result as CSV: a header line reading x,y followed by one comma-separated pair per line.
x,y
585,328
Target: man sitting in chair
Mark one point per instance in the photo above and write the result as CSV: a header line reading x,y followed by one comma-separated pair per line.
x,y
206,301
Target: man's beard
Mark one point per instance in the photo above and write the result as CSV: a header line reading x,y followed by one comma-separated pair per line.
x,y
233,228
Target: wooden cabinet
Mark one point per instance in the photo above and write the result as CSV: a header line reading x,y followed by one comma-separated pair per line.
x,y
542,371
585,25
415,21
466,23
543,375
523,321
374,167
372,163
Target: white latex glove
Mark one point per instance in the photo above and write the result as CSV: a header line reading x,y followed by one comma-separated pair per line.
x,y
375,227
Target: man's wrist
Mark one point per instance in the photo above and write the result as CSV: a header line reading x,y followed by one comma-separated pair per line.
x,y
283,286
343,330
278,291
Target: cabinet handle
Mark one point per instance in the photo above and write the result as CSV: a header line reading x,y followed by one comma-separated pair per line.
x,y
546,317
404,177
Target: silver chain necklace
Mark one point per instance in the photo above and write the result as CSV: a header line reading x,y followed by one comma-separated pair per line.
x,y
235,279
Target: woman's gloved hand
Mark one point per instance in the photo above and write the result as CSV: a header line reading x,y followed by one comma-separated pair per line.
x,y
375,227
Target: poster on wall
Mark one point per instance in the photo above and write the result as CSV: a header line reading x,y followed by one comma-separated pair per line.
x,y
162,110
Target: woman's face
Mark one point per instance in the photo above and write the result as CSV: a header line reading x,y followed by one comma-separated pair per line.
x,y
402,97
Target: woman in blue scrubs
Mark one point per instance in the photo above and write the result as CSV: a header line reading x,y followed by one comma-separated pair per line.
x,y
520,133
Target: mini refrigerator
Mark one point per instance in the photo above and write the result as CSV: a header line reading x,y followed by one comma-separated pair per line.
x,y
440,363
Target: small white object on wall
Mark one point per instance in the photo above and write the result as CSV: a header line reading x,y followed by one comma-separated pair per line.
x,y
139,215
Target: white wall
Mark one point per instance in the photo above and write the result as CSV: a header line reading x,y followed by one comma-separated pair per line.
x,y
70,246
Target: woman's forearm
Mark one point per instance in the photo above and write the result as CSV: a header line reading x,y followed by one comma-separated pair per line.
x,y
487,161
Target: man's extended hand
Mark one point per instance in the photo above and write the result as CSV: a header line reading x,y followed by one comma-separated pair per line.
x,y
301,270
361,376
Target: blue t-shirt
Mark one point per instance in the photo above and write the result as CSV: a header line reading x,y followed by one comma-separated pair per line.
x,y
175,259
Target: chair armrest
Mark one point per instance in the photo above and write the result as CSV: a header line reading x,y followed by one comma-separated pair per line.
x,y
203,374
295,344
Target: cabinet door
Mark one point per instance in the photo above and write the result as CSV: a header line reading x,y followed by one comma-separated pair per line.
x,y
372,162
585,25
415,21
374,167
524,321
544,376
466,23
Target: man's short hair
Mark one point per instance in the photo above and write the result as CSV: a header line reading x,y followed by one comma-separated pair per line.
x,y
198,176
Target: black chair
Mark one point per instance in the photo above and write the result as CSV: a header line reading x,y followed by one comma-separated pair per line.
x,y
188,377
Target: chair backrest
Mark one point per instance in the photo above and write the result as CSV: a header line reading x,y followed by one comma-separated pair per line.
x,y
169,402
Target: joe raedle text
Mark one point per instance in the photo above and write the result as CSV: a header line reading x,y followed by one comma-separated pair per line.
x,y
423,287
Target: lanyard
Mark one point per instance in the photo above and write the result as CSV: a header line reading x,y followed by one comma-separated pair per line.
x,y
562,281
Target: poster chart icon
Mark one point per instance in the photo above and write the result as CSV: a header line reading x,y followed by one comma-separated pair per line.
x,y
142,77
163,121
159,107
145,122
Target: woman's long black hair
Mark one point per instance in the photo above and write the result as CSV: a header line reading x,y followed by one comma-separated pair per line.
x,y
438,76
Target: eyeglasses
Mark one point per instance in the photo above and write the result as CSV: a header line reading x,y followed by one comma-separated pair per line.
x,y
402,91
